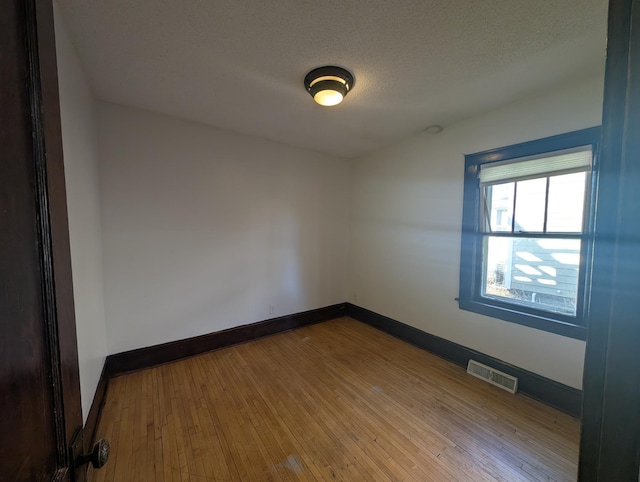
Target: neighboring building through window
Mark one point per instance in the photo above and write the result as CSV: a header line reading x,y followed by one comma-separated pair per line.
x,y
525,232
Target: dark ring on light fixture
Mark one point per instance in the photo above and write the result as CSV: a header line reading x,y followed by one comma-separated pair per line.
x,y
328,85
337,79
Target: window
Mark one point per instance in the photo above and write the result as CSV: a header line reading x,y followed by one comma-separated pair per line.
x,y
525,234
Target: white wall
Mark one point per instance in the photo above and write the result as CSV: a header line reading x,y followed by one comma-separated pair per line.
x,y
83,202
204,229
406,223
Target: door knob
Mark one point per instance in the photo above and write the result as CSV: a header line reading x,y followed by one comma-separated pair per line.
x,y
98,456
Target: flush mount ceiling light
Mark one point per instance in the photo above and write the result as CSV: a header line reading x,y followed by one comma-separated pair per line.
x,y
328,85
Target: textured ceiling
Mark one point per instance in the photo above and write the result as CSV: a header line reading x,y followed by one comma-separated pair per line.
x,y
240,64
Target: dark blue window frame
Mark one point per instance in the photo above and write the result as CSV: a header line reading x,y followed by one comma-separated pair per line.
x,y
470,298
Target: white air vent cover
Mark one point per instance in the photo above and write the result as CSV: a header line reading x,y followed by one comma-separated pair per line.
x,y
495,377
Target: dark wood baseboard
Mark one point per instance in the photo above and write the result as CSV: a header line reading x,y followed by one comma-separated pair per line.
x,y
167,352
548,391
545,390
142,358
93,419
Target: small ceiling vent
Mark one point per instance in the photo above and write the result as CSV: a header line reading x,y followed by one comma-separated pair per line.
x,y
495,377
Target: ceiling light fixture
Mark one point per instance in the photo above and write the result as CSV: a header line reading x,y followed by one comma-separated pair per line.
x,y
328,85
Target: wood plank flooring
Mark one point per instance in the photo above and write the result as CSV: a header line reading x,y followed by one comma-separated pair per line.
x,y
334,401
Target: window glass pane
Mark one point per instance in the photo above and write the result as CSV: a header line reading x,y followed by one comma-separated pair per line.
x,y
566,203
499,202
532,272
530,203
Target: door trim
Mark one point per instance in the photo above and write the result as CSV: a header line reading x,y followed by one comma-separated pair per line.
x,y
610,440
53,229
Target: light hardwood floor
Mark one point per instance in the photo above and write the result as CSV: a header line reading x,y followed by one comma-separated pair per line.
x,y
334,401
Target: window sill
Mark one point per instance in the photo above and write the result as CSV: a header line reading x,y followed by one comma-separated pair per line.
x,y
550,325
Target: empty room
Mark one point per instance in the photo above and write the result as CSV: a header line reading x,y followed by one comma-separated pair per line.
x,y
337,240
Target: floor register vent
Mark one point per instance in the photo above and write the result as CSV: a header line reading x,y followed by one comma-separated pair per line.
x,y
495,377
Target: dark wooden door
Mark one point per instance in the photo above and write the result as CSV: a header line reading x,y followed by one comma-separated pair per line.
x,y
610,441
39,383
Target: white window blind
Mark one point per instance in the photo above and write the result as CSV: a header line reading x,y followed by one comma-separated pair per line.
x,y
531,167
